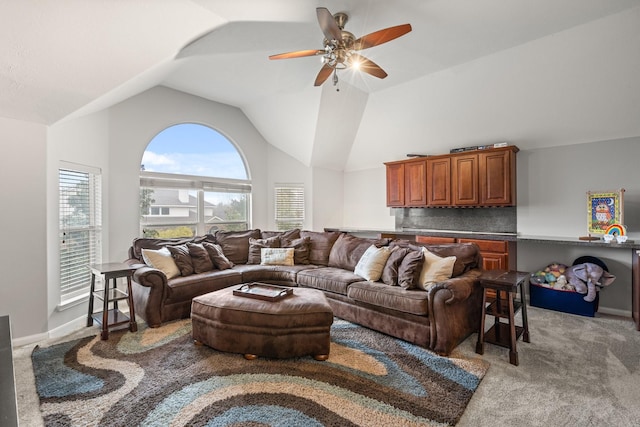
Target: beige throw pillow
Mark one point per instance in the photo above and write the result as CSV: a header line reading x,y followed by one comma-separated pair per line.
x,y
435,269
372,262
162,260
276,256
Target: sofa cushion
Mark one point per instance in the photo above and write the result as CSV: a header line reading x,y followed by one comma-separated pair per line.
x,y
392,297
467,254
390,271
435,269
139,243
277,256
372,262
220,261
348,249
181,256
278,274
328,279
162,260
320,244
199,258
410,269
185,288
235,244
256,246
288,234
300,248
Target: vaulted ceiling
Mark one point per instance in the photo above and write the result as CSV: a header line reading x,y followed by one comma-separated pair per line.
x,y
535,73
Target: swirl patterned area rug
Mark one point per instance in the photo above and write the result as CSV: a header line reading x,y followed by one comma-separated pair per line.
x,y
158,377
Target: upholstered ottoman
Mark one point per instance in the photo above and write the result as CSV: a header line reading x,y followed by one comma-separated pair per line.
x,y
297,325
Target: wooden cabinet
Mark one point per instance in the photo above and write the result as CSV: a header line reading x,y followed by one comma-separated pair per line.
x,y
439,181
469,179
497,178
464,180
395,184
496,254
415,180
434,240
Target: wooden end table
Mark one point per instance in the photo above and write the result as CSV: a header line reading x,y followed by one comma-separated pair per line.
x,y
111,317
506,285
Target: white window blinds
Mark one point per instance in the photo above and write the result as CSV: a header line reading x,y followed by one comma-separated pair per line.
x,y
80,202
289,210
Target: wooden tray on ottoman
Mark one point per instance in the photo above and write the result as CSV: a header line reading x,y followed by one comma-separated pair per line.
x,y
262,291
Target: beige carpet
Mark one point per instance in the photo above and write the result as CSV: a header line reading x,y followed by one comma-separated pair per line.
x,y
576,371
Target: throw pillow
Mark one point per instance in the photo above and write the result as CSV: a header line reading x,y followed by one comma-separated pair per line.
x,y
162,260
199,258
255,246
435,269
300,248
372,262
235,244
320,245
276,256
390,270
217,256
409,269
348,249
181,256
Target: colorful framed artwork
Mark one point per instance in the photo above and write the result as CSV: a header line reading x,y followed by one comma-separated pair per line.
x,y
604,208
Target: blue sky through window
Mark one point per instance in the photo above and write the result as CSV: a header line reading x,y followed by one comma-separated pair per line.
x,y
193,149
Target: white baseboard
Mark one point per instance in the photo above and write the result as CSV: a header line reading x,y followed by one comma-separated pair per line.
x,y
615,312
60,331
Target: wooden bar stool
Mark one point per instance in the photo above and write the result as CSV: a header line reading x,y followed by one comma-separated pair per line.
x,y
506,285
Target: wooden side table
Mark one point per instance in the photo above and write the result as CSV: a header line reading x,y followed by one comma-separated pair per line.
x,y
111,317
506,285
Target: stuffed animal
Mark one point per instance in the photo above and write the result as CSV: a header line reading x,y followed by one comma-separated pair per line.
x,y
587,278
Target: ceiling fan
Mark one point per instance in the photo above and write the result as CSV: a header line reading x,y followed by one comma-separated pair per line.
x,y
340,47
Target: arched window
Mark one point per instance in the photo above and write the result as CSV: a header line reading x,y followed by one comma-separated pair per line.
x,y
193,181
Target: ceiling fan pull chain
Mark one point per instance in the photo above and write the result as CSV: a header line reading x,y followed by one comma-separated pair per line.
x,y
335,79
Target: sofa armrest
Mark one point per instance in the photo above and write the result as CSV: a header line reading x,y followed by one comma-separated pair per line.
x,y
455,306
150,289
457,288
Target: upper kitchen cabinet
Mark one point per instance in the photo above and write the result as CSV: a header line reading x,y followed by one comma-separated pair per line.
x,y
476,178
498,177
395,184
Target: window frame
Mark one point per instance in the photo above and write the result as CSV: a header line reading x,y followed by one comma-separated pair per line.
x,y
201,185
75,280
295,190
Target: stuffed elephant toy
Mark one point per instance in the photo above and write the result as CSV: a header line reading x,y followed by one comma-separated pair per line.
x,y
585,277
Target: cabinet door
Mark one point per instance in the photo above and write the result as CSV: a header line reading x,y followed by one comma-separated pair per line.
x,y
415,185
497,187
395,184
434,240
465,180
495,253
439,182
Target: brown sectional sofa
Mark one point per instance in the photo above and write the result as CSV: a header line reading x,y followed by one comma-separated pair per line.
x,y
438,318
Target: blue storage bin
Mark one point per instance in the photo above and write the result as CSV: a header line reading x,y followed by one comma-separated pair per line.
x,y
560,300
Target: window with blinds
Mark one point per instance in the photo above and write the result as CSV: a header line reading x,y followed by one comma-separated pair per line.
x,y
80,202
289,206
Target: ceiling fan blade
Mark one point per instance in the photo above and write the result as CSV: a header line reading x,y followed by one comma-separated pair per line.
x,y
328,24
381,36
298,54
368,66
323,75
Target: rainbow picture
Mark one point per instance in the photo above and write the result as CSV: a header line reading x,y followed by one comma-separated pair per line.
x,y
616,230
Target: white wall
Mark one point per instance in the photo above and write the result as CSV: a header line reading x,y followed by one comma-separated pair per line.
x,y
365,200
23,256
327,195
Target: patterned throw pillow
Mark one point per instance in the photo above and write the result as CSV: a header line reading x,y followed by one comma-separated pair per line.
x,y
276,256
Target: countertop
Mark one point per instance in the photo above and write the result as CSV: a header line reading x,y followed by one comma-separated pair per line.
x,y
510,237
